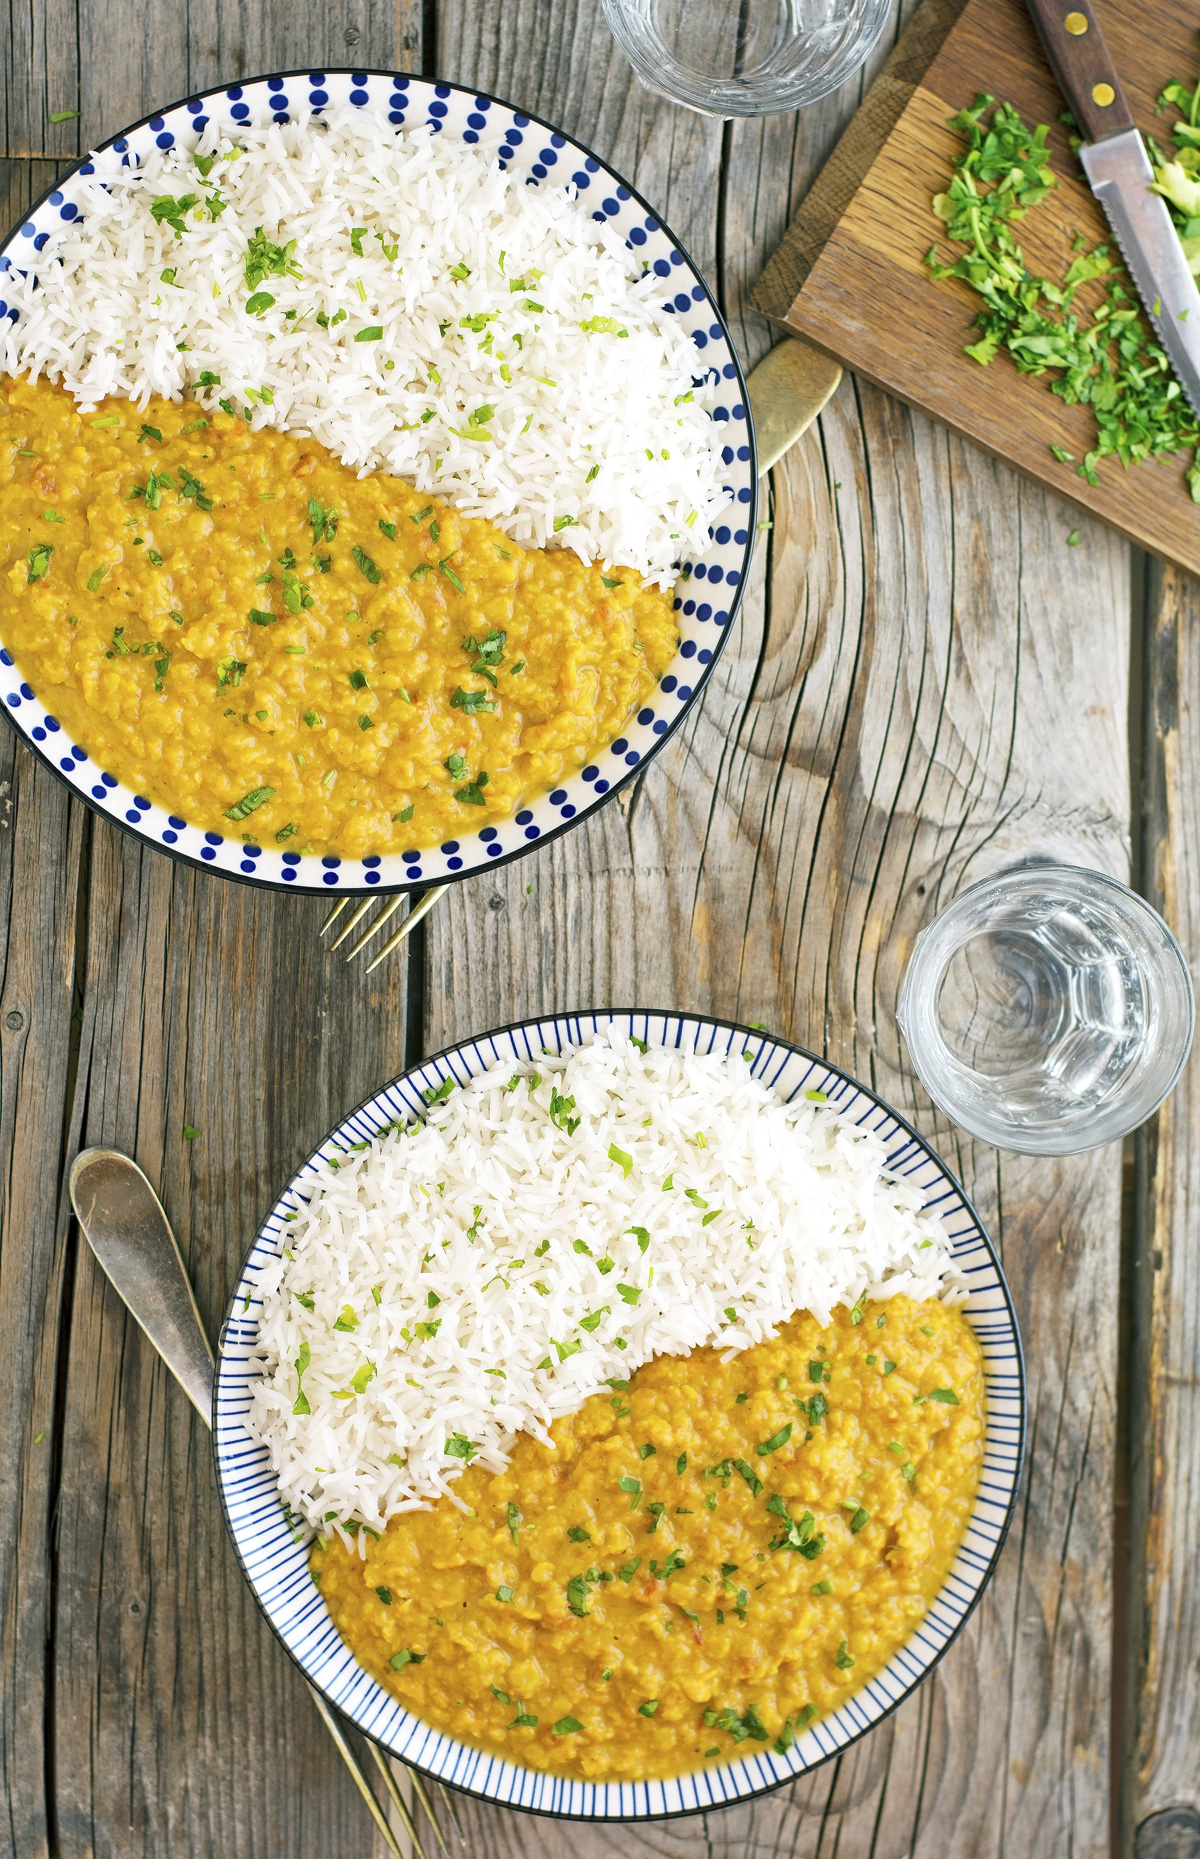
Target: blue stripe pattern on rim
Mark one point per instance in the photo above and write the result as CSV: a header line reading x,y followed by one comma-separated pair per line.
x,y
276,1565
720,559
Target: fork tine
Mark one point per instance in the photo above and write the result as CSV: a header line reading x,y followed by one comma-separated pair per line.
x,y
410,923
422,1795
397,1799
448,1798
356,918
389,910
334,914
360,1780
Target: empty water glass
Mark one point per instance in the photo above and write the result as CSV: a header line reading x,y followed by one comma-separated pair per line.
x,y
745,57
1047,1010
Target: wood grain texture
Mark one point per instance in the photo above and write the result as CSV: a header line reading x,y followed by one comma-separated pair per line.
x,y
180,1726
1164,1719
40,842
868,298
924,685
889,735
881,730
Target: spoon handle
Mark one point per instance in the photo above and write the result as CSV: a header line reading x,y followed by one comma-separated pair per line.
x,y
124,1223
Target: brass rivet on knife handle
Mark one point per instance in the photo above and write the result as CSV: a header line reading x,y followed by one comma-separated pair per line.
x,y
1080,60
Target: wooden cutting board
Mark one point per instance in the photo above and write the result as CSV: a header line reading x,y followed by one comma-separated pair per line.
x,y
850,277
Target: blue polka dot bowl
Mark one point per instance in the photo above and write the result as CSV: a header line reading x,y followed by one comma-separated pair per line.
x,y
275,1560
710,584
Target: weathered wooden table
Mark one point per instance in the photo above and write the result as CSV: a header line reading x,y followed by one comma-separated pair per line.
x,y
925,685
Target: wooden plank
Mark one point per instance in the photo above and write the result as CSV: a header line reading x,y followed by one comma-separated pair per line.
x,y
894,735
883,729
40,837
869,300
227,43
1161,1809
180,1726
21,183
39,78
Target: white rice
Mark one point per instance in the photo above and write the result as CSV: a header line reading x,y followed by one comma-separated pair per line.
x,y
492,1226
597,439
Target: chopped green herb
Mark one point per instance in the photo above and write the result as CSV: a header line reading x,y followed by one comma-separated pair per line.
x,y
775,1442
1112,361
39,563
946,1395
247,804
264,260
623,1161
566,1726
399,1660
748,1724
473,703
797,1534
458,1446
301,1363
750,1475
843,1659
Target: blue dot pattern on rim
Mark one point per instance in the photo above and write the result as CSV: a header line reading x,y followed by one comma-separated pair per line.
x,y
536,151
276,1565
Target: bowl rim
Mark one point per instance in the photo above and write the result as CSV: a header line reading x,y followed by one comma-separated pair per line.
x,y
566,1018
618,786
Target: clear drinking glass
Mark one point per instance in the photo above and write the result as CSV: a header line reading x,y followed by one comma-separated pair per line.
x,y
1047,1010
745,57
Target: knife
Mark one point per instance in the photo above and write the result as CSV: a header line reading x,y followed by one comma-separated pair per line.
x,y
1118,170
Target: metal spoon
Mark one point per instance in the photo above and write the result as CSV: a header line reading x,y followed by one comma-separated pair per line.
x,y
125,1226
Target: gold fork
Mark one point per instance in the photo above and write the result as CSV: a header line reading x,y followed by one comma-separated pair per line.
x,y
418,910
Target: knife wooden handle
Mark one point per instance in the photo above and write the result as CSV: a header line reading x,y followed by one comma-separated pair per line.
x,y
1079,59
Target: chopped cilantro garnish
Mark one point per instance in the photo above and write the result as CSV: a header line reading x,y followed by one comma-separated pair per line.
x,y
1112,360
264,260
472,703
247,804
750,1475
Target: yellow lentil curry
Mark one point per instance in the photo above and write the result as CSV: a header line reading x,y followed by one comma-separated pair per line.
x,y
706,1561
236,625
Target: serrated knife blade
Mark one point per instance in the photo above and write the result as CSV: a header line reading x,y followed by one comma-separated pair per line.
x,y
1119,173
1118,169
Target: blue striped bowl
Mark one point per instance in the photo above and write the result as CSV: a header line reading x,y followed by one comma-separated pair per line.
x,y
277,1567
712,573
